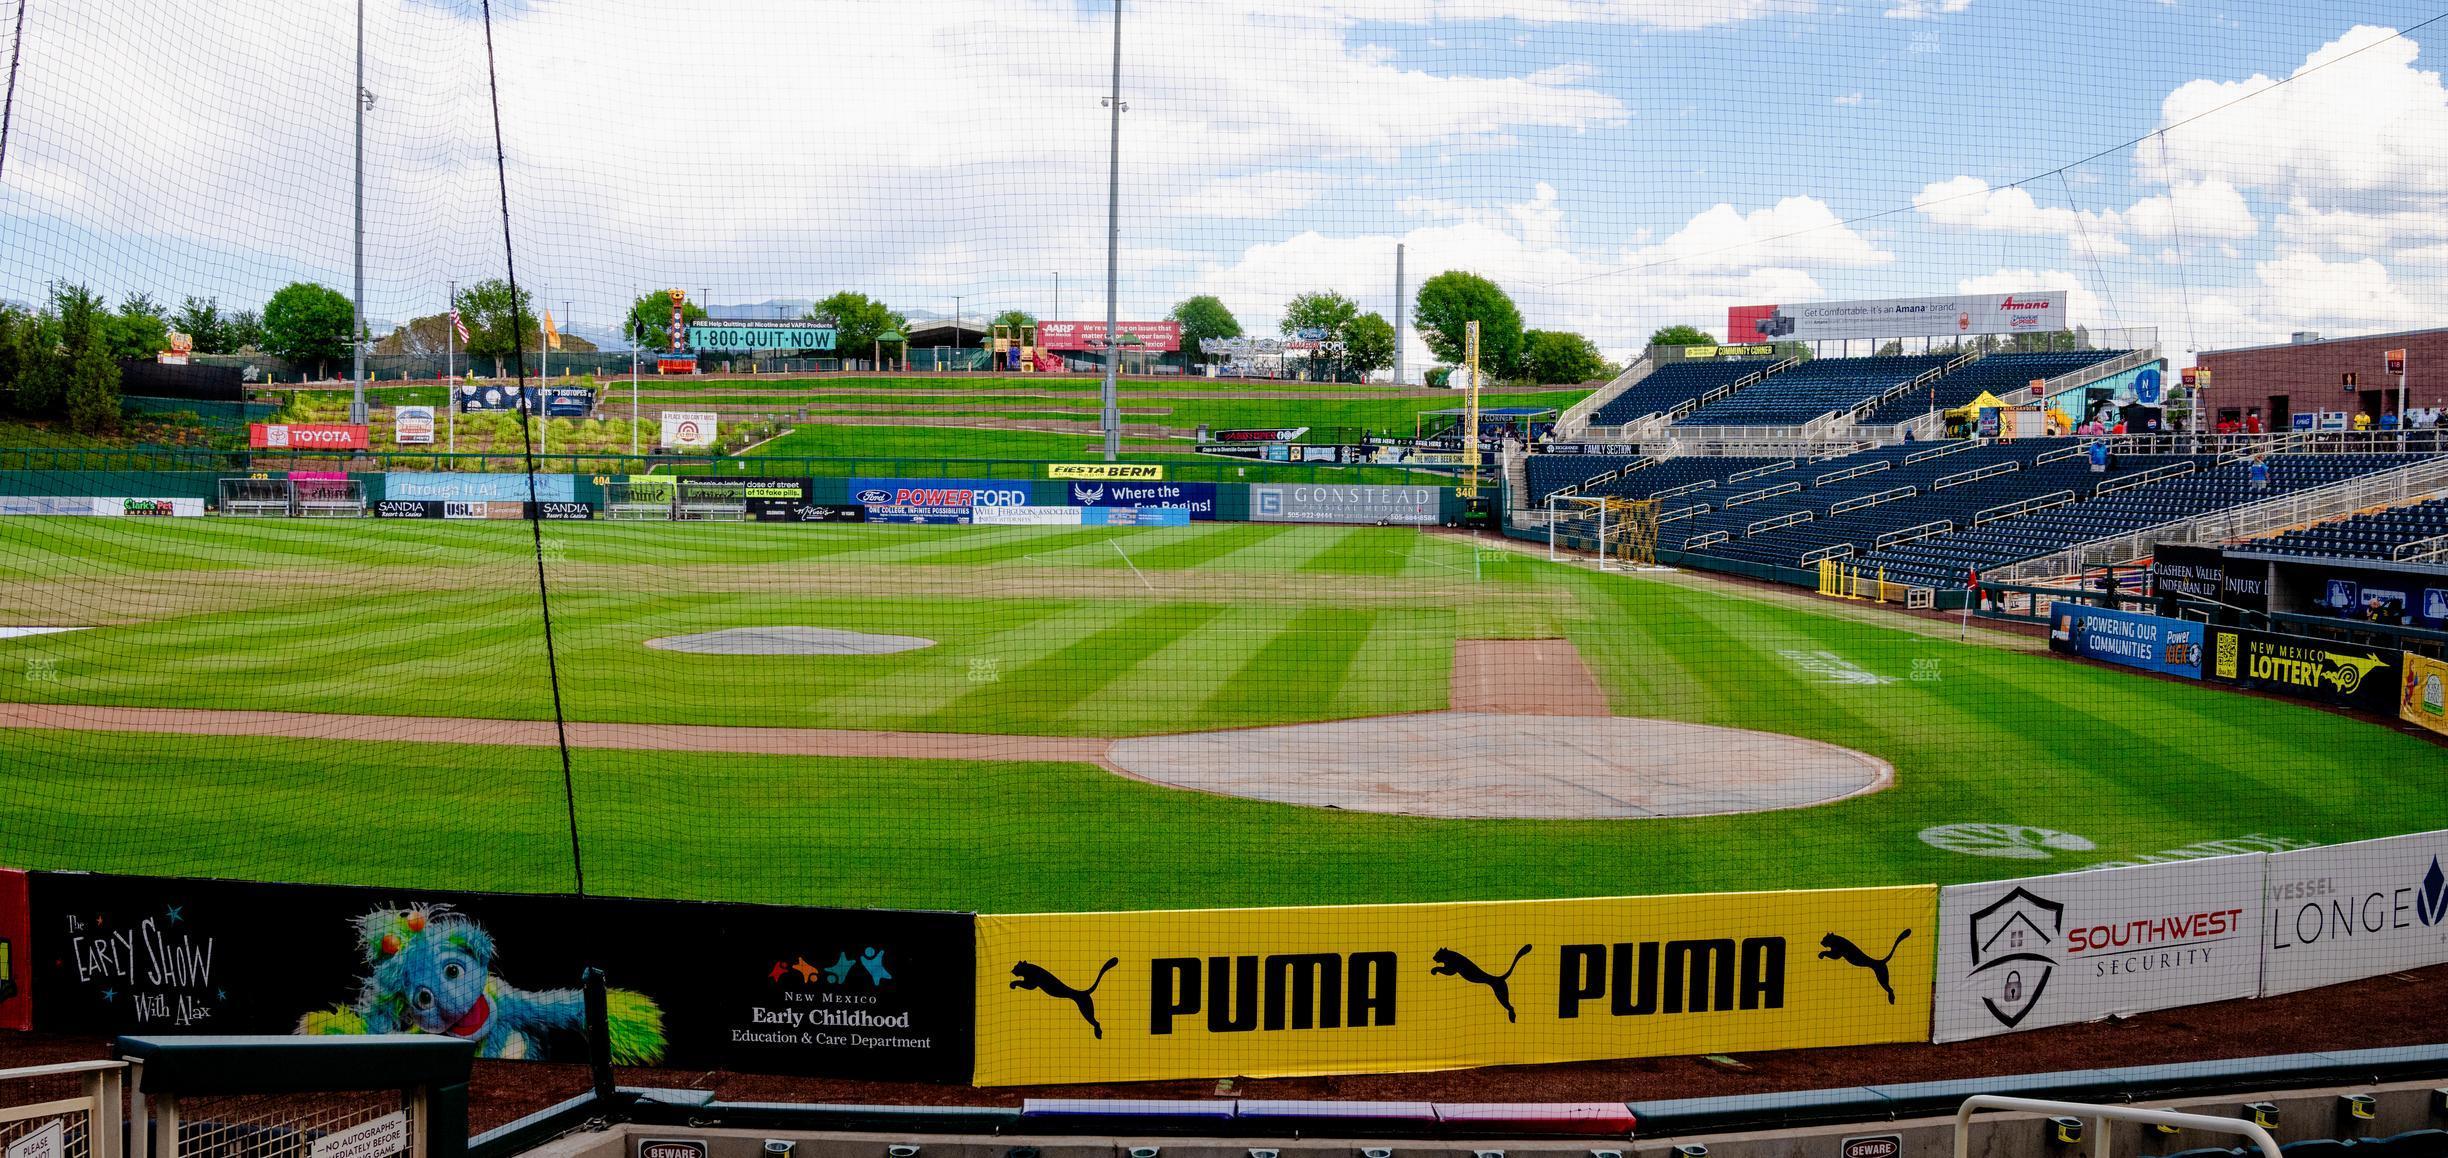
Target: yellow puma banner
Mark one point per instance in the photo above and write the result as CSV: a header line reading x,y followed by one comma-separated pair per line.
x,y
1104,997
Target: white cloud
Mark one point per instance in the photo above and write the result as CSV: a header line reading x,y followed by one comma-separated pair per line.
x,y
1924,9
1969,202
1849,100
2207,208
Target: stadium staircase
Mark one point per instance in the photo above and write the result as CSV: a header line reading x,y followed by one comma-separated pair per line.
x,y
1577,418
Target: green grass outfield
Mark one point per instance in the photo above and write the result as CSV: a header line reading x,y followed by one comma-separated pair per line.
x,y
1065,632
846,449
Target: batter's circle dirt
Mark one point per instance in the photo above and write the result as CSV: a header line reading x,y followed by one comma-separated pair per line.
x,y
1483,765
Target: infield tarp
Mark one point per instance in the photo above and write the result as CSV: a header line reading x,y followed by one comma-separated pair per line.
x,y
1368,989
844,993
2023,954
2349,911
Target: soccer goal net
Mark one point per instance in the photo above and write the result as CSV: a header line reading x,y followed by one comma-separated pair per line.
x,y
1621,533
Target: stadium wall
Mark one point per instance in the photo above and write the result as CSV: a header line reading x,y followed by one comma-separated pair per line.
x,y
1081,997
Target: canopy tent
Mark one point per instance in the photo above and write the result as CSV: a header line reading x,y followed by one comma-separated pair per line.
x,y
1986,401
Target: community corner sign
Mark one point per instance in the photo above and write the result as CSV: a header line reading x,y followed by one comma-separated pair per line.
x,y
758,337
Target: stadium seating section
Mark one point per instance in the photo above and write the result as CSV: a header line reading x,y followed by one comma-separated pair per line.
x,y
1674,384
1995,374
2377,535
1549,473
1812,389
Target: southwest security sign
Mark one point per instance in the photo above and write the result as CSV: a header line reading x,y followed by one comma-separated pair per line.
x,y
760,337
2027,312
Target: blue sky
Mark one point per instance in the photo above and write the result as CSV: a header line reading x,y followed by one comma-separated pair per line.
x,y
1617,164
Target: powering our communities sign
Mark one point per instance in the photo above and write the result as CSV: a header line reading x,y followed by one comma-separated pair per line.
x,y
1362,989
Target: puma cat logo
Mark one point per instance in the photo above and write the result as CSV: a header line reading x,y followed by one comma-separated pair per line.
x,y
1835,948
1452,964
1038,978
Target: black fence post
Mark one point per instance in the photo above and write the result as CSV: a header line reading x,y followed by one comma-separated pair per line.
x,y
599,1032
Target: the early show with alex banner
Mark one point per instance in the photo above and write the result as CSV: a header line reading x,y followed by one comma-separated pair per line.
x,y
751,987
1132,996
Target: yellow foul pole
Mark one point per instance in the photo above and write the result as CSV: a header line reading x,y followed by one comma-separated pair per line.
x,y
1470,416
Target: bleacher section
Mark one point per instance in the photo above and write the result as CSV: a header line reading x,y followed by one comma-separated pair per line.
x,y
1943,560
1813,389
1707,474
1996,374
1549,473
1674,384
2376,535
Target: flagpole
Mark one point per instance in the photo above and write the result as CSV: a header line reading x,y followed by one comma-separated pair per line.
x,y
450,345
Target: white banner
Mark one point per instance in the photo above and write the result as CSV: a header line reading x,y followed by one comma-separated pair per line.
x,y
412,425
688,429
2357,910
2041,951
1025,516
149,507
2031,312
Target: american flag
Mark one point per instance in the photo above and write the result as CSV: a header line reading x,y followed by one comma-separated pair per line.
x,y
459,326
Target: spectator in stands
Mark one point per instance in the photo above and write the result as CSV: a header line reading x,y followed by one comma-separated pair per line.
x,y
2259,472
2252,423
2362,420
2120,427
2388,420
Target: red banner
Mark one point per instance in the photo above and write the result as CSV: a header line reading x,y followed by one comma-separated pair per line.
x,y
306,436
16,926
1153,337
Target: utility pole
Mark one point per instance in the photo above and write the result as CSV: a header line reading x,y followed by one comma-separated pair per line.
x,y
1113,250
956,331
1398,313
357,397
1057,294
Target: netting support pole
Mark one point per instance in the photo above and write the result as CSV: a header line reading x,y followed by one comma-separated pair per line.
x,y
360,98
8,107
1113,251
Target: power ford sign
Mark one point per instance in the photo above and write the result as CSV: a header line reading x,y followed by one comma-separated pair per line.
x,y
934,500
1322,503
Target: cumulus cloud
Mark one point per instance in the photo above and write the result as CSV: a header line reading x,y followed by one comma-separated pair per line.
x,y
1969,202
1925,9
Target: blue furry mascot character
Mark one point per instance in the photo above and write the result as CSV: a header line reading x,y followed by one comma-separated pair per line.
x,y
430,970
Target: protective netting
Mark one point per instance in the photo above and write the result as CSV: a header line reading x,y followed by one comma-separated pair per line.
x,y
788,410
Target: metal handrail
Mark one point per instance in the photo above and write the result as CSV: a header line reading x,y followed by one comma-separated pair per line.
x,y
1858,502
1763,493
1942,450
1975,474
1685,489
1785,520
1910,534
1710,539
1576,417
2154,474
2060,454
2022,507
2429,548
1852,472
1759,471
2102,1115
1837,551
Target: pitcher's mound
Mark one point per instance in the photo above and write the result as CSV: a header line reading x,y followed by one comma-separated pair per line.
x,y
789,641
1483,765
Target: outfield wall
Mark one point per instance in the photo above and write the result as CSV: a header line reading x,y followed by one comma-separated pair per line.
x,y
1097,997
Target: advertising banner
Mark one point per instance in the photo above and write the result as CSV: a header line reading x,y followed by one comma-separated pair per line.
x,y
2188,570
136,508
2348,911
769,500
2422,697
481,399
1153,337
687,429
825,513
1321,503
729,337
2040,951
1199,499
1387,988
456,486
2149,642
2346,675
651,488
78,505
412,425
1134,516
942,500
490,509
1270,434
16,959
2033,312
821,991
1134,471
306,436
1027,517
568,402
483,509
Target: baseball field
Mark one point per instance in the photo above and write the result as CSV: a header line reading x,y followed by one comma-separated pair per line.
x,y
366,702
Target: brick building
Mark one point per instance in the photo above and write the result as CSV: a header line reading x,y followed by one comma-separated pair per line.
x,y
2309,375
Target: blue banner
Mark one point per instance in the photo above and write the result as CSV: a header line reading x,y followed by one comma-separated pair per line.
x,y
2150,642
934,500
1134,516
1197,498
448,486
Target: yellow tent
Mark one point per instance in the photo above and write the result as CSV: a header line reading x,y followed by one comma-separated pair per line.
x,y
1974,407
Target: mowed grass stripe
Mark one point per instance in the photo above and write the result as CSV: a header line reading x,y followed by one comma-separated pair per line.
x,y
1303,664
1043,690
1172,681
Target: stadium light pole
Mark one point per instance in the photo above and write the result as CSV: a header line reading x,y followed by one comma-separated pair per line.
x,y
1113,249
357,398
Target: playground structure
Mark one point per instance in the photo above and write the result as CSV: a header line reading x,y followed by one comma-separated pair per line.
x,y
1017,348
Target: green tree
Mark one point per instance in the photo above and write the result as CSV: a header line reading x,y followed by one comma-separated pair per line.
x,y
1201,317
140,330
1323,310
308,323
1554,357
1681,336
858,320
200,319
83,319
1368,343
244,332
1448,302
650,316
42,382
499,322
1013,318
93,391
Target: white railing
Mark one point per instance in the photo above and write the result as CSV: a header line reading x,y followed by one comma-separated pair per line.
x,y
2167,1120
2415,482
1976,474
2022,507
1693,511
1760,471
1823,554
1843,449
1685,489
1576,418
1942,450
1785,520
1852,472
87,1123
1710,539
1763,493
1912,533
2421,550
2064,452
1886,496
2154,474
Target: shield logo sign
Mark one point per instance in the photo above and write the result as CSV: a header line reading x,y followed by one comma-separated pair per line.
x,y
2014,945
